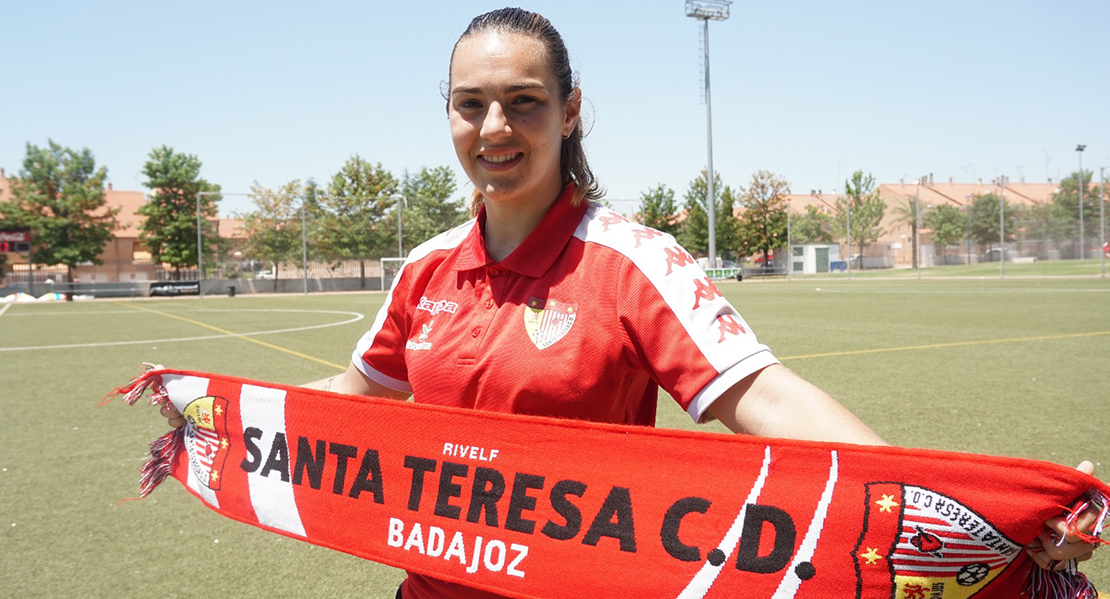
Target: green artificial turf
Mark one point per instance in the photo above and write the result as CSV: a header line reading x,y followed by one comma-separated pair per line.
x,y
1012,367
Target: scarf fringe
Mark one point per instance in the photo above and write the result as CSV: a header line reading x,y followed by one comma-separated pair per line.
x,y
162,450
1093,500
160,463
1070,583
134,389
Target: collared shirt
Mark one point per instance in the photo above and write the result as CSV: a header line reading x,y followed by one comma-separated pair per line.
x,y
585,319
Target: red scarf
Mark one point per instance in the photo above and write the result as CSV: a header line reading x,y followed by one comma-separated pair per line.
x,y
535,507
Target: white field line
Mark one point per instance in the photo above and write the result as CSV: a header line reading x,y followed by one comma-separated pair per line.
x,y
180,312
356,317
5,308
878,289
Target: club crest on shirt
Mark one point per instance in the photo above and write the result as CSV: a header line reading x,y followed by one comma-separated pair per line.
x,y
921,544
547,321
206,439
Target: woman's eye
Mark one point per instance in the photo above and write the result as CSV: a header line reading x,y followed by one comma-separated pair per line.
x,y
469,104
524,100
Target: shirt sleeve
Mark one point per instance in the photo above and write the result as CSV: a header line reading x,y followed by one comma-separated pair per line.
x,y
380,353
682,330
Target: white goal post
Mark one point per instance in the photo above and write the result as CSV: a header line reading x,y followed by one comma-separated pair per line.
x,y
390,268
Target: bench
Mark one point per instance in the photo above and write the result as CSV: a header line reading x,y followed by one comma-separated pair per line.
x,y
760,271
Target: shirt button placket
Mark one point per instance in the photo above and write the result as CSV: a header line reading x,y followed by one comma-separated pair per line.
x,y
493,273
483,317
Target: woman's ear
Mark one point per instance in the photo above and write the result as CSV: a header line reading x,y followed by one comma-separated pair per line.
x,y
572,110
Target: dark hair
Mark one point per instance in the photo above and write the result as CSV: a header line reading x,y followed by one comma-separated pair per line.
x,y
572,156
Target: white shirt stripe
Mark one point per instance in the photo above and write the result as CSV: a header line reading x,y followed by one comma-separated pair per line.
x,y
733,361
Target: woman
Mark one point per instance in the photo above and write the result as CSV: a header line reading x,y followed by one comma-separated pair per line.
x,y
547,304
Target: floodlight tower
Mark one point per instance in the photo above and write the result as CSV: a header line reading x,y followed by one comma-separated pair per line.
x,y
1082,240
706,10
1102,218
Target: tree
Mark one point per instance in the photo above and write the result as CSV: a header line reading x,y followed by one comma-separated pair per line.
x,y
659,210
693,231
815,226
354,212
762,224
947,224
983,214
907,214
59,197
312,198
428,208
726,223
170,228
1066,199
866,209
1047,221
274,228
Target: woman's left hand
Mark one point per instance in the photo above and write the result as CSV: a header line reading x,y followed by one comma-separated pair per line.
x,y
1047,551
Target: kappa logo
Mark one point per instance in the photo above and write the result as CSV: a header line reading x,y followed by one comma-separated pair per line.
x,y
434,308
645,233
677,256
704,289
548,321
610,219
728,325
919,543
206,438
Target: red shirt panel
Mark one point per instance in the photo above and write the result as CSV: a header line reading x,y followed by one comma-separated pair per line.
x,y
584,320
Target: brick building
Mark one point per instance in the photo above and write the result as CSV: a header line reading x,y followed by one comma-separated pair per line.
x,y
124,258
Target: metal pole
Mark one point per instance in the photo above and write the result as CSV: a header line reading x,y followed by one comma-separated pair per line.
x,y
711,197
31,267
1002,228
848,210
304,248
917,230
1082,236
200,251
1102,219
789,243
967,227
400,238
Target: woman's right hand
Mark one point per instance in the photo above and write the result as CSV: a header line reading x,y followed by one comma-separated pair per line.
x,y
173,417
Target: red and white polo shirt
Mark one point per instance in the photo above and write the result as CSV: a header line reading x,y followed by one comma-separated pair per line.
x,y
586,319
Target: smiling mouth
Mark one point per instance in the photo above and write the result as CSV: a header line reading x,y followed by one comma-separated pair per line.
x,y
501,158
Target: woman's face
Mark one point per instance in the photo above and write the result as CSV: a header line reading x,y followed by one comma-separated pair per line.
x,y
507,119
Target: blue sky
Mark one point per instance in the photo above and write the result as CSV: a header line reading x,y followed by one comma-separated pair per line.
x,y
810,90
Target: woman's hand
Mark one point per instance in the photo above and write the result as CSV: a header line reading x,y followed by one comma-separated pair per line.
x,y
1047,550
172,416
351,382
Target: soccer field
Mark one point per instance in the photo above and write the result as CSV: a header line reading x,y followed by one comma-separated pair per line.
x,y
1011,367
